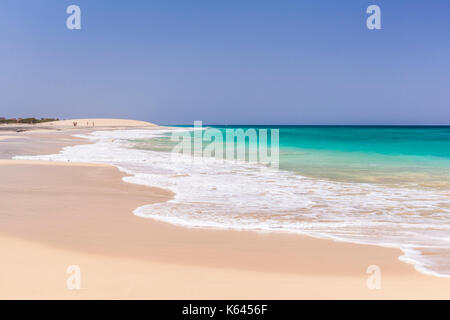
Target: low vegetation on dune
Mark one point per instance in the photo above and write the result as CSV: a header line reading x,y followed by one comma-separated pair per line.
x,y
26,120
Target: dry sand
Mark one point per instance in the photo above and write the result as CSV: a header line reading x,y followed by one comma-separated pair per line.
x,y
98,122
81,124
56,215
7,137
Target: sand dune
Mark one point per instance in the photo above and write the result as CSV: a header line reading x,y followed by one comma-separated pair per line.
x,y
97,122
87,123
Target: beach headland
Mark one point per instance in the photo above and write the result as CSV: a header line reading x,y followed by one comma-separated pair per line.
x,y
86,123
56,214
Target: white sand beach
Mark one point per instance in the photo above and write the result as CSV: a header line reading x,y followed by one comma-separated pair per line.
x,y
55,215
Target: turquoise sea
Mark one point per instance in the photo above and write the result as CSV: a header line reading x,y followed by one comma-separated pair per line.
x,y
375,154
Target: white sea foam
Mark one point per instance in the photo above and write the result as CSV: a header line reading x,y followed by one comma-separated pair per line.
x,y
237,195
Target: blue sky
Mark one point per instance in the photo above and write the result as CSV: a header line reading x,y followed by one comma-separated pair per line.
x,y
227,62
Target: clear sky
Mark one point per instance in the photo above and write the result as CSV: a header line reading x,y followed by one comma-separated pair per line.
x,y
227,61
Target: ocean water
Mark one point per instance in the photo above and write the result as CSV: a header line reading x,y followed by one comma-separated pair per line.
x,y
386,186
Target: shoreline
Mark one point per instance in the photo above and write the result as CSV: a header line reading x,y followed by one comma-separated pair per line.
x,y
308,267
